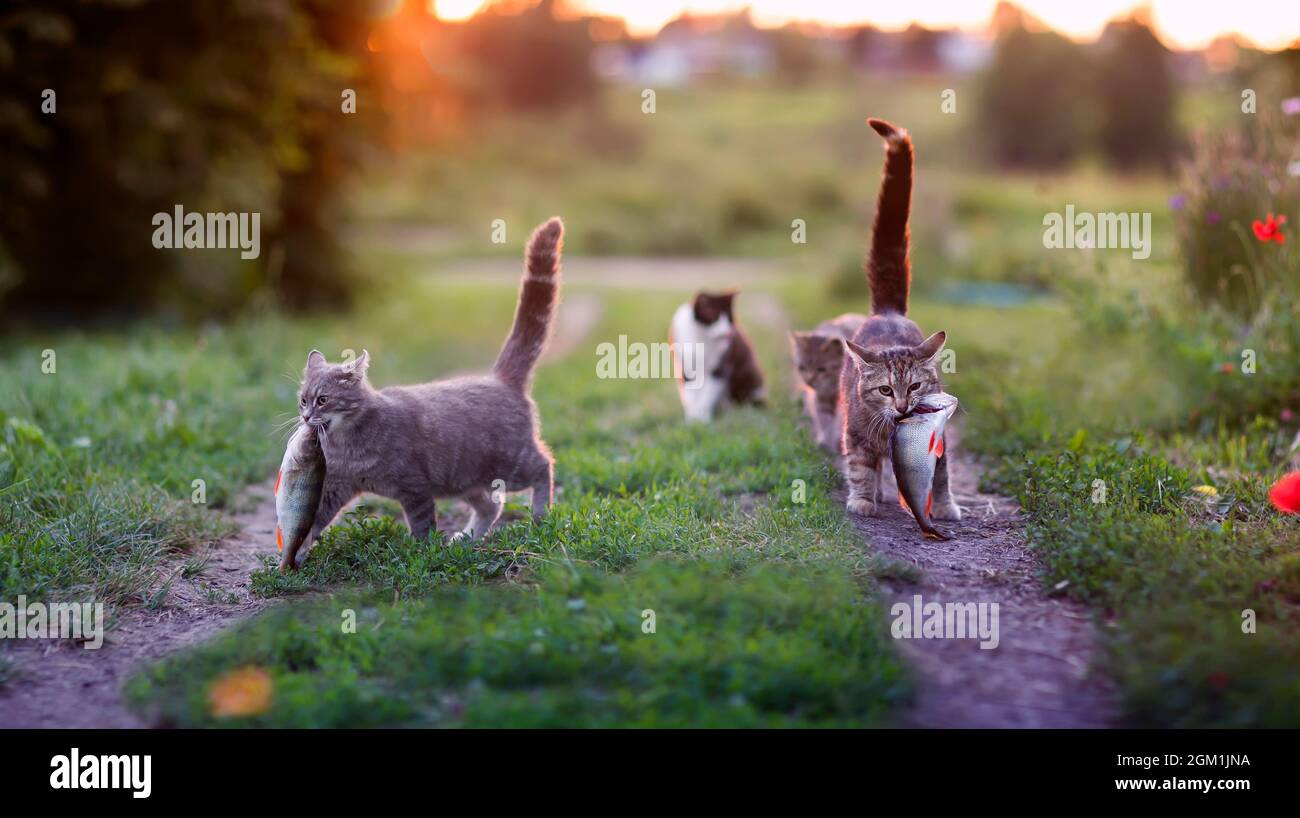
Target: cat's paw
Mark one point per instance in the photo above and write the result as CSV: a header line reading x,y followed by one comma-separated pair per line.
x,y
461,535
861,505
946,511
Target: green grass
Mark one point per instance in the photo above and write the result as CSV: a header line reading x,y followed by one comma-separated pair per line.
x,y
734,643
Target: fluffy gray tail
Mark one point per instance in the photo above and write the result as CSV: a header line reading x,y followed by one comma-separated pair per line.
x,y
539,295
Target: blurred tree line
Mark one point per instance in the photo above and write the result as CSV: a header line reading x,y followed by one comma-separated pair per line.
x,y
226,106
1046,100
217,105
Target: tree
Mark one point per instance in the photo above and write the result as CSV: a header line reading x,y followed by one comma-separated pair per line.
x,y
1136,96
1034,99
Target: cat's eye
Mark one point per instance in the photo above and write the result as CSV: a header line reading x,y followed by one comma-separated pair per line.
x,y
321,400
886,391
914,387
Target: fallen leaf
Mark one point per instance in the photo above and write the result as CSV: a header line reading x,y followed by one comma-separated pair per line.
x,y
243,692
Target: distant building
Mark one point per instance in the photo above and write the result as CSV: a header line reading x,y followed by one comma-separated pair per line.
x,y
688,47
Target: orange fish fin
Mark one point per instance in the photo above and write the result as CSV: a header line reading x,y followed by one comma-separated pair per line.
x,y
279,539
929,503
930,448
903,503
277,482
938,450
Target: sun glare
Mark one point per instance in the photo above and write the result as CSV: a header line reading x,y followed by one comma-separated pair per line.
x,y
455,10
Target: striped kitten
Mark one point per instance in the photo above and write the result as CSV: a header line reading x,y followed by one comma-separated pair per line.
x,y
890,363
819,358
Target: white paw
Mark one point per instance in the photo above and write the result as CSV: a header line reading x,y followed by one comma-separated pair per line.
x,y
946,511
464,534
861,505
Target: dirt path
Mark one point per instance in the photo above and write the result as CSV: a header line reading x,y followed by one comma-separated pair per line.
x,y
1042,673
61,684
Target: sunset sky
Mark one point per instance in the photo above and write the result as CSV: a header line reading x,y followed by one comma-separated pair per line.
x,y
1182,23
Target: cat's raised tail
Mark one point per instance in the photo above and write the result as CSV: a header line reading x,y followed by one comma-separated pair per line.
x,y
539,295
888,270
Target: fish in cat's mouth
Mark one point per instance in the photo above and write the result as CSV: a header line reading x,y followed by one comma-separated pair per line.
x,y
929,404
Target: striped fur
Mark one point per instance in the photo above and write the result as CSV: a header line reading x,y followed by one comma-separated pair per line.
x,y
888,269
539,295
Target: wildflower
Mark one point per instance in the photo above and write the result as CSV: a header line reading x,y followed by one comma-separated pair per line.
x,y
1270,229
1227,367
1177,202
1285,493
1291,106
1287,414
1213,217
1208,491
1293,168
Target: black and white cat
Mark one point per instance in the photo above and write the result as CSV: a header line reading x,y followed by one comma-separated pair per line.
x,y
715,361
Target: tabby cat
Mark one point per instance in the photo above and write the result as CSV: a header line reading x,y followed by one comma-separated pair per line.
x,y
889,364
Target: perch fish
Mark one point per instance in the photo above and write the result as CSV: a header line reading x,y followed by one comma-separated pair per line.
x,y
915,448
298,488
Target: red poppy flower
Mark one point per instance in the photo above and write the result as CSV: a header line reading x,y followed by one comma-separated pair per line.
x,y
1270,229
1285,493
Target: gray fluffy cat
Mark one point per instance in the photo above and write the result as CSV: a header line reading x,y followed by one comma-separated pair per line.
x,y
452,438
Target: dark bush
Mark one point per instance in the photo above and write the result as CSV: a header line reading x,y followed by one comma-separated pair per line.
x,y
1135,94
1034,99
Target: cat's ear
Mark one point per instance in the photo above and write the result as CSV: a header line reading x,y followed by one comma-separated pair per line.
x,y
861,354
315,360
931,346
359,365
797,339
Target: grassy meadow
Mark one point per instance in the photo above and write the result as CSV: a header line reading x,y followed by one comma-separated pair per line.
x,y
1073,367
